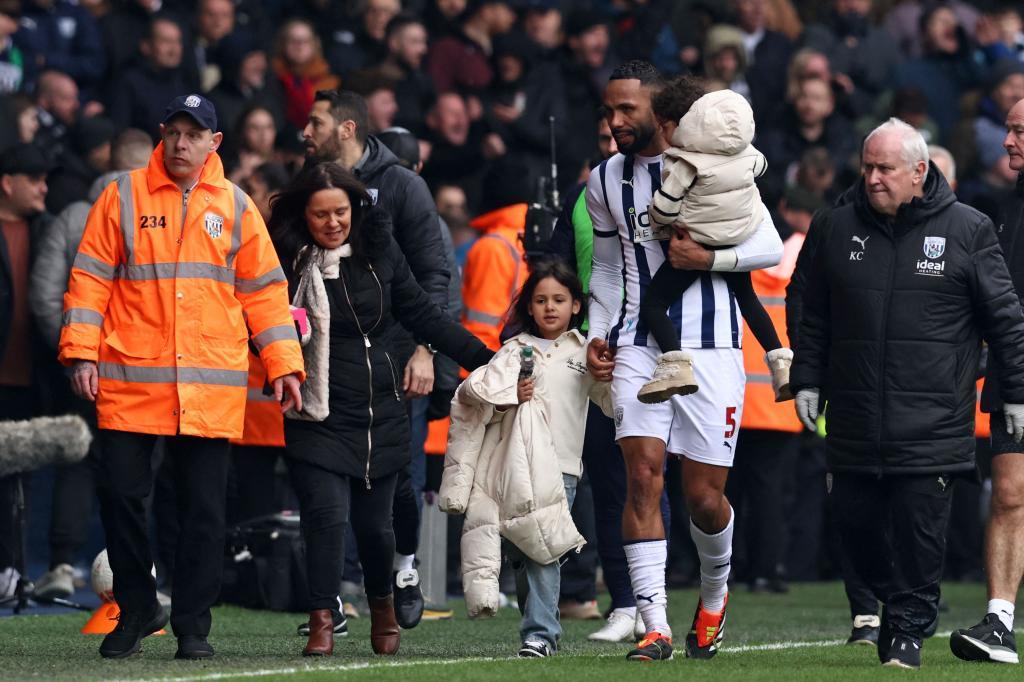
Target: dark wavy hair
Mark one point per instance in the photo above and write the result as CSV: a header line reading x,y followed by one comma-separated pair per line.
x,y
287,225
561,273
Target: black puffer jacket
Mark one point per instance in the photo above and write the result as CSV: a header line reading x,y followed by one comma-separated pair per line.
x,y
894,314
366,434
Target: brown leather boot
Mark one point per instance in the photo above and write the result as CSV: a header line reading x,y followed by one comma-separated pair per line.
x,y
384,633
321,634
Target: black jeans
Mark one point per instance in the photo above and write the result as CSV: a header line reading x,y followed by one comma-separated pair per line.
x,y
15,403
199,468
893,530
326,501
668,286
252,482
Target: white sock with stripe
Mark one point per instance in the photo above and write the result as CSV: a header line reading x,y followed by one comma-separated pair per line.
x,y
1003,609
715,552
646,560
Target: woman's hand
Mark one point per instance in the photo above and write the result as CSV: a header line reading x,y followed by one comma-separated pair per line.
x,y
419,374
288,393
524,390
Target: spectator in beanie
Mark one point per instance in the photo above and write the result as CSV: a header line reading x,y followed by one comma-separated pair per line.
x,y
725,58
85,159
301,69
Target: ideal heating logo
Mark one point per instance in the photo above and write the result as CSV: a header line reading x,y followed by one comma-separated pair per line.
x,y
934,247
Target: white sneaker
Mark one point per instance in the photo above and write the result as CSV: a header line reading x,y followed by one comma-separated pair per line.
x,y
8,582
779,361
617,628
672,376
640,630
57,583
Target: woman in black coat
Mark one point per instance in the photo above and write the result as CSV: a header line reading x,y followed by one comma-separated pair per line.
x,y
345,449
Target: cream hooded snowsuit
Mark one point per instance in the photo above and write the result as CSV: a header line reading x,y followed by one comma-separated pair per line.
x,y
707,181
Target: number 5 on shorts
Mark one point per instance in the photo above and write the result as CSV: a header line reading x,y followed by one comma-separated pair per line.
x,y
730,422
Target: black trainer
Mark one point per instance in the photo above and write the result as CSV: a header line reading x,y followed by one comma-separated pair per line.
x,y
340,626
193,648
903,652
653,647
534,648
408,598
989,640
865,631
126,638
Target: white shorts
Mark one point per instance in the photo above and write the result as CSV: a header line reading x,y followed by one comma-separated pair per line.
x,y
702,426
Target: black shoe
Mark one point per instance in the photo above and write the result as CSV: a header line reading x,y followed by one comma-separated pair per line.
x,y
408,598
193,648
126,637
865,631
707,632
654,647
904,652
989,640
534,648
340,626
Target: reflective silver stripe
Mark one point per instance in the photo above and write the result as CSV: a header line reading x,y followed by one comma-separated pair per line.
x,y
759,379
772,300
124,192
172,375
255,395
269,336
249,286
94,266
236,228
83,316
179,271
484,318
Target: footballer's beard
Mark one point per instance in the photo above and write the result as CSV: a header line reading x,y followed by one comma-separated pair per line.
x,y
643,135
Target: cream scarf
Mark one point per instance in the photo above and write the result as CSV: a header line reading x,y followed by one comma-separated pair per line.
x,y
311,294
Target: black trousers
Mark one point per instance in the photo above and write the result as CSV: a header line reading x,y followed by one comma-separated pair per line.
x,y
252,482
199,468
327,501
669,284
15,403
893,531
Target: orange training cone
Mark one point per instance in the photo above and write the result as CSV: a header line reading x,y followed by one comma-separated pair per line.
x,y
104,620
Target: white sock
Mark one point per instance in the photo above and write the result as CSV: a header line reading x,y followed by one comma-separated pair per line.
x,y
403,562
715,552
628,611
1003,609
646,562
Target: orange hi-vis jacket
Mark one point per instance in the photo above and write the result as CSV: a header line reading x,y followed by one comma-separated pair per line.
x,y
760,411
264,422
495,269
160,294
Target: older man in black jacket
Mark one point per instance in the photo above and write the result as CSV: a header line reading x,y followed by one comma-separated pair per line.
x,y
905,285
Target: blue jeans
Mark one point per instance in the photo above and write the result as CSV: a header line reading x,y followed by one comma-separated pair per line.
x,y
537,588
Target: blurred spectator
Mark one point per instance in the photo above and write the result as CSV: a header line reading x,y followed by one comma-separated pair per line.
x,y
907,104
26,117
542,24
406,39
461,62
945,162
816,173
128,25
215,20
947,66
253,144
857,50
246,82
379,92
903,22
453,208
767,55
999,33
441,17
263,183
456,154
725,59
57,108
137,99
811,121
300,67
1005,88
86,157
782,17
12,59
61,35
367,46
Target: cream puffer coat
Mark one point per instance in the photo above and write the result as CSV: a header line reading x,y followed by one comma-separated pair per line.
x,y
504,463
707,180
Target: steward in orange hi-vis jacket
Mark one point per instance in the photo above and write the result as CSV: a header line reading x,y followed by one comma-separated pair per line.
x,y
174,271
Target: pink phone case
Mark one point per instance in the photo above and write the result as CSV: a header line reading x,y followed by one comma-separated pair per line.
x,y
299,315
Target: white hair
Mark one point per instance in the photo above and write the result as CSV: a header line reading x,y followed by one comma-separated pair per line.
x,y
913,148
937,152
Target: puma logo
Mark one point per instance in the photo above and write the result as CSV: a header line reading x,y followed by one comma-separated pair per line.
x,y
863,242
649,600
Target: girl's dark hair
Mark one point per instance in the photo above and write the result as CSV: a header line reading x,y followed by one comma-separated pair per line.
x,y
287,225
562,274
673,101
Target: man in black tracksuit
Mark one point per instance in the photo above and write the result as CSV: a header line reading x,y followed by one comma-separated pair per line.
x,y
904,286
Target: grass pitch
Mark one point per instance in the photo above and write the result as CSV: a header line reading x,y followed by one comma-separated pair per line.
x,y
769,637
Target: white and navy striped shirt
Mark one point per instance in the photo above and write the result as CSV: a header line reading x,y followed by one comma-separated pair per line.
x,y
618,194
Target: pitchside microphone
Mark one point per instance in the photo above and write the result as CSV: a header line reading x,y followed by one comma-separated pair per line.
x,y
36,443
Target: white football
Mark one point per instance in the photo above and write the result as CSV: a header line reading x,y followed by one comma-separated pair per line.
x,y
102,577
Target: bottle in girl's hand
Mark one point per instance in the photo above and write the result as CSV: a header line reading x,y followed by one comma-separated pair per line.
x,y
525,363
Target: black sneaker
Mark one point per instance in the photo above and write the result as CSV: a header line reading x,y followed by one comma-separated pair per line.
x,y
408,598
654,647
193,648
340,626
707,632
865,631
989,640
903,652
126,638
534,648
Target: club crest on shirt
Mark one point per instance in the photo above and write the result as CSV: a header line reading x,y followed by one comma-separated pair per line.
x,y
213,224
934,247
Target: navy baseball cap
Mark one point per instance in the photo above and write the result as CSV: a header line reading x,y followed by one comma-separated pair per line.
x,y
198,107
